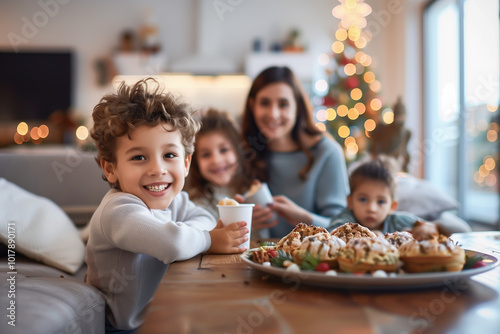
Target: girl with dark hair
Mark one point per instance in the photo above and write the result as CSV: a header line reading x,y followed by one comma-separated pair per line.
x,y
218,167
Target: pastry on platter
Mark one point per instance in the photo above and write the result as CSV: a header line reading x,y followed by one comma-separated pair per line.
x,y
350,231
398,238
293,240
423,230
321,246
367,255
263,254
432,255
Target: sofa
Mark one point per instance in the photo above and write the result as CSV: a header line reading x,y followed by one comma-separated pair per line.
x,y
47,196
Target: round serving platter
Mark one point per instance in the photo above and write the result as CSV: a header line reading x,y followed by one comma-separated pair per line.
x,y
369,282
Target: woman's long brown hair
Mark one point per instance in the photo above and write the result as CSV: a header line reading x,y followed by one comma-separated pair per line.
x,y
255,143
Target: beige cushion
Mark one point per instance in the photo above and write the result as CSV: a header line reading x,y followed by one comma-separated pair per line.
x,y
39,228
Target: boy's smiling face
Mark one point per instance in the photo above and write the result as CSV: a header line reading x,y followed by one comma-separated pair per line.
x,y
370,203
151,165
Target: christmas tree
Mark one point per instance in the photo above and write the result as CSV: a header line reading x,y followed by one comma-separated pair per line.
x,y
350,108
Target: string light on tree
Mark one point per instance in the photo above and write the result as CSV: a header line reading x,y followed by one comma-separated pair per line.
x,y
350,94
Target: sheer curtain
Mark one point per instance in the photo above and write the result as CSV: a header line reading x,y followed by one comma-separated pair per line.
x,y
461,73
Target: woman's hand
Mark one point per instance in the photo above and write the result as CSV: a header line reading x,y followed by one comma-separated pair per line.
x,y
293,213
262,217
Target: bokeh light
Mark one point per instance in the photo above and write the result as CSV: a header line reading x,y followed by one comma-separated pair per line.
x,y
341,34
352,148
338,47
34,133
344,131
361,108
342,110
360,42
482,125
321,85
376,104
491,108
353,114
323,59
331,114
388,116
369,77
492,136
356,94
321,115
321,126
22,128
43,131
376,86
349,140
82,132
349,69
370,125
489,163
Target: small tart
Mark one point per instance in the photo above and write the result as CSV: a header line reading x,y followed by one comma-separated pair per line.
x,y
368,255
293,240
398,238
321,246
350,231
432,255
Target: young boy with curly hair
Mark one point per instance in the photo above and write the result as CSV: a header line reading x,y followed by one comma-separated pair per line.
x,y
145,141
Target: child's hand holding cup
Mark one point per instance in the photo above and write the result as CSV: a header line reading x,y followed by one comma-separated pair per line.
x,y
231,211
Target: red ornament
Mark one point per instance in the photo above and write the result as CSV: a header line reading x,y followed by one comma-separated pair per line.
x,y
343,60
329,101
351,82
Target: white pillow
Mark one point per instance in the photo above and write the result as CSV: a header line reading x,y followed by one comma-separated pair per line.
x,y
422,198
40,229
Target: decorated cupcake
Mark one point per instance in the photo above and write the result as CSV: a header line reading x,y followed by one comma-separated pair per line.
x,y
432,255
398,238
350,231
293,240
320,246
367,255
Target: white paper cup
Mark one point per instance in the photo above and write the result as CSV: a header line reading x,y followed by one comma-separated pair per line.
x,y
262,197
236,213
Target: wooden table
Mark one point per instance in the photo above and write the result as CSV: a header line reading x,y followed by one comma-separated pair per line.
x,y
221,294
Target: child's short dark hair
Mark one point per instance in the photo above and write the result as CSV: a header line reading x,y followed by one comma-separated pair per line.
x,y
119,114
378,169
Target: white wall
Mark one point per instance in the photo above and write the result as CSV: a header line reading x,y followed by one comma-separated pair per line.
x,y
92,28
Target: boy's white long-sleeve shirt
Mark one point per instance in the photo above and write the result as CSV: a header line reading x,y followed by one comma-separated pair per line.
x,y
130,247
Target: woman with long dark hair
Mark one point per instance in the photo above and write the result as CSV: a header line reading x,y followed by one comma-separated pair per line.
x,y
304,168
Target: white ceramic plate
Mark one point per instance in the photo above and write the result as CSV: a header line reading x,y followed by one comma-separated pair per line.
x,y
368,282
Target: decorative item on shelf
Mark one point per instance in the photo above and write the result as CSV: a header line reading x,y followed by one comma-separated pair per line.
x,y
292,43
348,106
257,45
275,47
141,55
149,35
127,42
391,137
